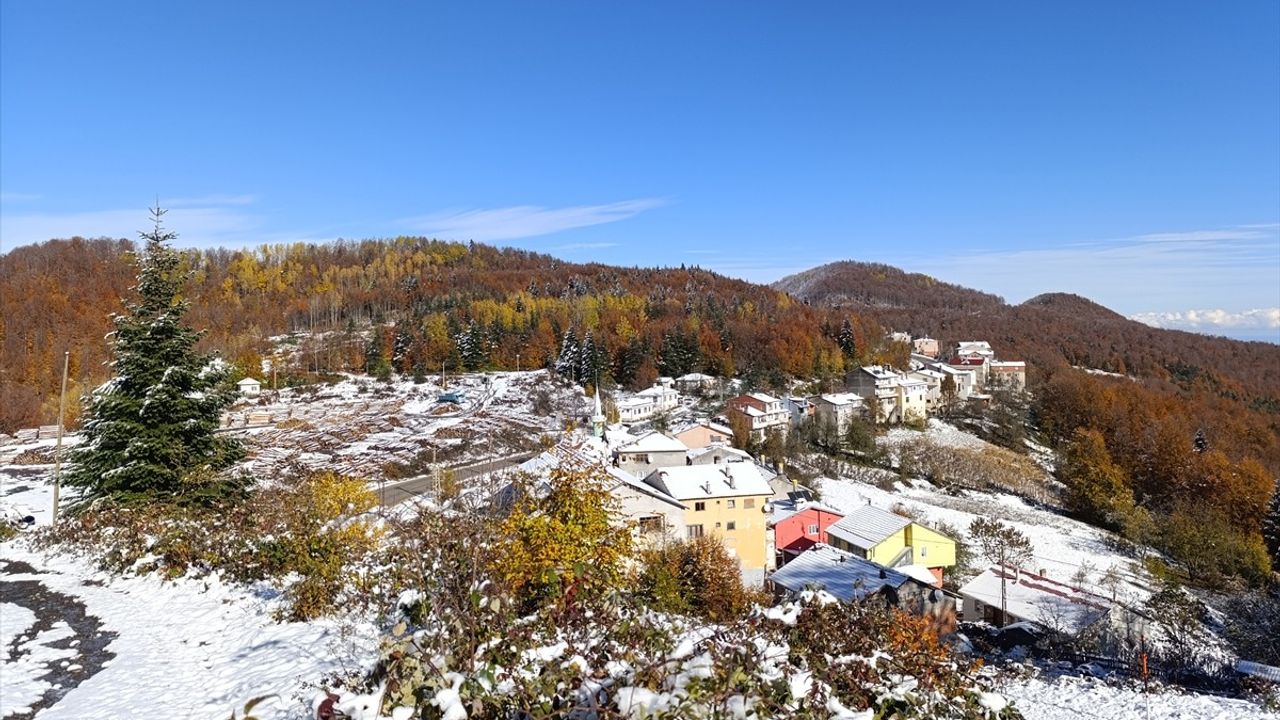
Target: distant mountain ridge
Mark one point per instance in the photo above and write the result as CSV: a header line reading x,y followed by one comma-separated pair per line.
x,y
1049,330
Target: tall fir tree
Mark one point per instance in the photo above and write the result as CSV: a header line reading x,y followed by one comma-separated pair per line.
x,y
149,430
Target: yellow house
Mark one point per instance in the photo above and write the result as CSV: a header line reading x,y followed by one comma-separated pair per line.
x,y
892,540
726,501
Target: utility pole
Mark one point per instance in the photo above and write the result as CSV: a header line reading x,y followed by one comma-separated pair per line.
x,y
57,453
517,362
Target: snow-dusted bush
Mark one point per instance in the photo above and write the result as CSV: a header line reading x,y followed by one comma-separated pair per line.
x,y
311,534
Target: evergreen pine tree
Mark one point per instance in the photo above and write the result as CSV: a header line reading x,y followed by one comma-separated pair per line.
x,y
845,339
567,362
1271,528
149,431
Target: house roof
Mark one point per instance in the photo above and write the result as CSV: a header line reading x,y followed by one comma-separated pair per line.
x,y
626,482
697,482
841,398
761,397
968,361
654,442
783,509
868,526
249,381
657,391
717,427
634,402
1039,599
699,452
695,377
878,372
845,576
1008,364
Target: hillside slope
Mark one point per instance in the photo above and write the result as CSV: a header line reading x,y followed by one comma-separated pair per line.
x,y
1049,330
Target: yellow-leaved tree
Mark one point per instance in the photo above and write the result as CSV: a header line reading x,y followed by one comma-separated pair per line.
x,y
559,537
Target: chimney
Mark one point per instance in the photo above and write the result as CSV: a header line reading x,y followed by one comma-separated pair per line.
x,y
883,574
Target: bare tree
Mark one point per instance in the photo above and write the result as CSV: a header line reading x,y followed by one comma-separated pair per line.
x,y
1002,545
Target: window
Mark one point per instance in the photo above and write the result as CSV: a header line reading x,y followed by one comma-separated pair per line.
x,y
693,531
731,525
731,504
811,530
651,525
924,551
749,503
699,506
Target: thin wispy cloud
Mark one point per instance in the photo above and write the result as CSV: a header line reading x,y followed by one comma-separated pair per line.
x,y
1236,266
17,197
207,221
1201,320
523,221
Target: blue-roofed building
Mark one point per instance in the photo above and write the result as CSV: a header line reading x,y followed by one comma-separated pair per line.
x,y
852,579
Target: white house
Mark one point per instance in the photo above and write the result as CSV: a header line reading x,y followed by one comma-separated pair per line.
x,y
933,379
838,410
650,451
636,408
249,387
761,412
664,397
695,383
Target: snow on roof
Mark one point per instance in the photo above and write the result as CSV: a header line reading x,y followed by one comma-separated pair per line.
x,y
634,402
879,372
717,427
969,361
631,482
845,576
248,381
783,509
695,377
1033,597
868,526
656,390
654,442
842,398
761,397
696,482
929,374
1008,363
699,452
918,572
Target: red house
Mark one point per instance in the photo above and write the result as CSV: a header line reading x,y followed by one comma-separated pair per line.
x,y
798,525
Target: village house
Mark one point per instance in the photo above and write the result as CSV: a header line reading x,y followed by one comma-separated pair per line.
x,y
850,578
761,413
1011,374
665,397
925,346
893,540
966,380
715,455
726,501
1032,597
933,380
654,517
976,364
892,397
801,409
249,387
648,452
696,383
975,348
704,433
838,410
798,524
636,408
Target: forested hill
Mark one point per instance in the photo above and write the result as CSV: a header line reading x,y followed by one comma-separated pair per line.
x,y
1048,330
466,306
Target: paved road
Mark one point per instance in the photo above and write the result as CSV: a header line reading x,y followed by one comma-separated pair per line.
x,y
423,485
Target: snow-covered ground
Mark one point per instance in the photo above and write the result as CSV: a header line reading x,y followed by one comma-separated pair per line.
x,y
143,647
1083,698
1062,545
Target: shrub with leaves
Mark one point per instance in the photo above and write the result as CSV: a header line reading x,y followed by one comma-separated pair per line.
x,y
696,577
559,535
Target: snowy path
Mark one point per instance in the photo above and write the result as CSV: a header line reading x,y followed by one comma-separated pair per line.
x,y
189,648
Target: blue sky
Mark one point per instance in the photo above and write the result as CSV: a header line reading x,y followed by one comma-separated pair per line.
x,y
1129,152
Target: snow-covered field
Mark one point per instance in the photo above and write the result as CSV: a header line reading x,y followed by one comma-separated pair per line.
x,y
1082,698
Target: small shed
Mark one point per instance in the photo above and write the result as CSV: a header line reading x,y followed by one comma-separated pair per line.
x,y
249,387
